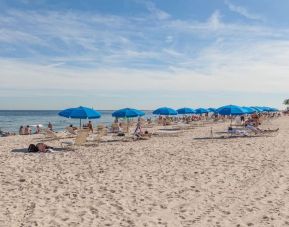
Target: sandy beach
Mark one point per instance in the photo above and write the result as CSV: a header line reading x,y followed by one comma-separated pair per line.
x,y
164,181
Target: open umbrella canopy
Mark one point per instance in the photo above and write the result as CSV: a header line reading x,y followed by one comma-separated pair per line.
x,y
127,113
269,109
274,109
212,110
249,110
186,110
201,111
165,111
80,113
265,108
231,110
258,109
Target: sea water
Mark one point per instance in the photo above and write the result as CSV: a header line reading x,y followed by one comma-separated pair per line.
x,y
11,120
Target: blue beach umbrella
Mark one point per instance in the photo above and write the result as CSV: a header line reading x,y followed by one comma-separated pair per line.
x,y
274,109
80,113
256,108
201,111
249,110
165,111
212,110
127,113
270,109
186,110
231,110
265,108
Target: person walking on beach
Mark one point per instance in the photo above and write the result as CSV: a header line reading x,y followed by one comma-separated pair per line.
x,y
138,129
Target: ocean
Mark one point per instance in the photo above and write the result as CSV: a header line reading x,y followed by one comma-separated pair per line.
x,y
11,120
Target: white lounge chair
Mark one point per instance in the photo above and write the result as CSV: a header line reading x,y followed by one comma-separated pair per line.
x,y
80,139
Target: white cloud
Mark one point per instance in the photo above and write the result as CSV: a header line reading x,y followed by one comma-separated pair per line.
x,y
108,53
254,68
214,21
154,10
242,11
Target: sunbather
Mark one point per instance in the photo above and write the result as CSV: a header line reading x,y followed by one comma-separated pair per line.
x,y
142,135
257,130
40,147
4,134
73,127
237,131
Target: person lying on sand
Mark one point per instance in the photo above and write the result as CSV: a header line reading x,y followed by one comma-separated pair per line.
x,y
257,130
237,131
40,147
4,134
142,135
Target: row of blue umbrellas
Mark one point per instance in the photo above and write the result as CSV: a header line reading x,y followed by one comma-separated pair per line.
x,y
88,113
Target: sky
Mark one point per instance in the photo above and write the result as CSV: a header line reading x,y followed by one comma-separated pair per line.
x,y
110,54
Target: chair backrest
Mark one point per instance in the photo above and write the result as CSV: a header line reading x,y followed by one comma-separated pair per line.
x,y
70,130
81,137
50,133
100,127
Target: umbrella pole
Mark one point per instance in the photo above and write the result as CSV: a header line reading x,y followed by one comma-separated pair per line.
x,y
127,125
80,123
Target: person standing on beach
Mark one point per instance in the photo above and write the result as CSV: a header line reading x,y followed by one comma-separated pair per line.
x,y
50,126
138,129
90,127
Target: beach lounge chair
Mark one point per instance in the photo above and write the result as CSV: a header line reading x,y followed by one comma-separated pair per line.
x,y
130,138
70,131
102,130
114,128
80,139
167,133
50,135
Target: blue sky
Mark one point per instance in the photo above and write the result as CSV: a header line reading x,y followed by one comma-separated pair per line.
x,y
111,54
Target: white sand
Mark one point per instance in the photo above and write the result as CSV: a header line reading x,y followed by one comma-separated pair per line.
x,y
170,181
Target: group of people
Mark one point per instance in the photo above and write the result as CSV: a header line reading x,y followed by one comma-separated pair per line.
x,y
88,125
251,124
27,130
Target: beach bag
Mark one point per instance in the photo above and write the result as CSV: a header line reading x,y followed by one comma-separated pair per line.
x,y
32,148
